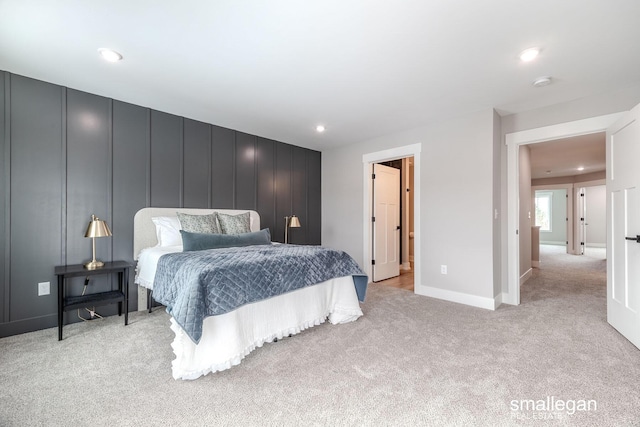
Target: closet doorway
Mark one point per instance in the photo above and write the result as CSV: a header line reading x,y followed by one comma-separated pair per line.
x,y
392,223
410,257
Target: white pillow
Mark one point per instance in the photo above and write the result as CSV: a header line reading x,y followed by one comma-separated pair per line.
x,y
167,230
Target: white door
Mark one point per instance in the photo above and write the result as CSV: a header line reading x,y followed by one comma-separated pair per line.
x,y
623,211
386,222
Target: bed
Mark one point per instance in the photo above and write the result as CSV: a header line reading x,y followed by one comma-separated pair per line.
x,y
225,338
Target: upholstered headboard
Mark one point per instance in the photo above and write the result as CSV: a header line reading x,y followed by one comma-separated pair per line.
x,y
144,230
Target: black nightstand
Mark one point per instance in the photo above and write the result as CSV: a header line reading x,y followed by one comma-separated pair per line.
x,y
101,298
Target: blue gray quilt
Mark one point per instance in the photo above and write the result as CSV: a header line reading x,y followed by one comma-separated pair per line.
x,y
194,285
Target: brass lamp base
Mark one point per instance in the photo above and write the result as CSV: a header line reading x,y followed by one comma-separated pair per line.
x,y
92,265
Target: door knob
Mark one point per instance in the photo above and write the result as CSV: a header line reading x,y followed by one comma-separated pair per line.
x,y
637,238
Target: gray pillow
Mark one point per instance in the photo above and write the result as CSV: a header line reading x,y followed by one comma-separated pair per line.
x,y
234,224
199,223
201,241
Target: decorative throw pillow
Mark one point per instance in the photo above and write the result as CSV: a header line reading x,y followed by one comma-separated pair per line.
x,y
201,241
199,223
167,230
234,224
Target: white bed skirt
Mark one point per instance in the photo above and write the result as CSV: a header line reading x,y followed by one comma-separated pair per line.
x,y
228,338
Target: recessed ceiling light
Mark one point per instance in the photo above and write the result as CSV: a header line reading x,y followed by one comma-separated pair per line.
x,y
529,54
580,168
320,129
542,81
110,55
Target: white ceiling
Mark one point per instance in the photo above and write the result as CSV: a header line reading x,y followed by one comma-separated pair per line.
x,y
363,68
562,157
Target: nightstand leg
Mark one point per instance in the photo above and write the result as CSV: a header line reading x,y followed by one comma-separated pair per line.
x,y
60,303
126,296
120,274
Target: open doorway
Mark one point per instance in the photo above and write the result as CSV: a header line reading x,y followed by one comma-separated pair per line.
x,y
568,177
392,228
403,152
518,226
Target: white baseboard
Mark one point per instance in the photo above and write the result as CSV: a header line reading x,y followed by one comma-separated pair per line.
x,y
504,297
526,276
535,264
596,245
497,300
552,242
405,266
459,297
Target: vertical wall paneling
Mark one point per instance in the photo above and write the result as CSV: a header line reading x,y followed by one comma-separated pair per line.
x,y
283,188
314,193
68,154
265,181
245,173
222,168
36,129
299,194
130,154
5,164
197,152
63,179
88,182
166,160
148,157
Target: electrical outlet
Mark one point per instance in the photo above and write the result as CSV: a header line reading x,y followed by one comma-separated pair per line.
x,y
44,288
443,269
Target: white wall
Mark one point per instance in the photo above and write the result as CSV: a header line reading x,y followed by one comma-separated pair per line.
x,y
596,215
461,186
456,188
583,108
497,203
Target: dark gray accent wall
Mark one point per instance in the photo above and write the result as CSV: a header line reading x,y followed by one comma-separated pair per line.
x,y
245,173
299,194
223,160
166,160
197,155
5,162
314,208
282,187
265,175
36,219
68,154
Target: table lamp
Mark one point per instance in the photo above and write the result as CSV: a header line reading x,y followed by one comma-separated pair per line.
x,y
290,221
96,228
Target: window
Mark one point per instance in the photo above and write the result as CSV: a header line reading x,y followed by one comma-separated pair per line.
x,y
543,209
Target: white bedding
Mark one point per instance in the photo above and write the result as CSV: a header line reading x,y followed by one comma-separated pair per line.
x,y
228,338
148,262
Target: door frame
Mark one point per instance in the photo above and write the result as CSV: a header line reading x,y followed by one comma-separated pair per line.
x,y
382,156
513,141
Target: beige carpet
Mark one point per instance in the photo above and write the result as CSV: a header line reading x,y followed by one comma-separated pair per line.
x,y
410,360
